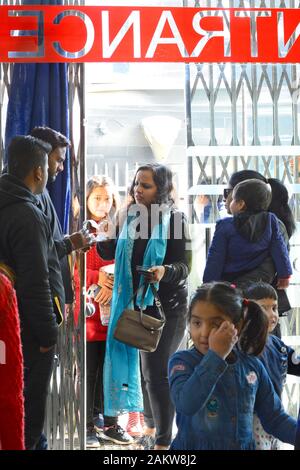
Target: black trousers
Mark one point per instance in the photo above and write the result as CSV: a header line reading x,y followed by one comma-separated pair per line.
x,y
159,410
37,374
95,354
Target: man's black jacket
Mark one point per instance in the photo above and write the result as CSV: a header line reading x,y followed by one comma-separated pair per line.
x,y
63,245
27,246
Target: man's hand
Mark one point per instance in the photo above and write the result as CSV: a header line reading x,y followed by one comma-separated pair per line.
x,y
82,240
221,340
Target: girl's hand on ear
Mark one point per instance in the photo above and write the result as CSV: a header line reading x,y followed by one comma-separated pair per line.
x,y
221,340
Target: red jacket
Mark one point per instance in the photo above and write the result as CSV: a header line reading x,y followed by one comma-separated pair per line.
x,y
95,331
11,371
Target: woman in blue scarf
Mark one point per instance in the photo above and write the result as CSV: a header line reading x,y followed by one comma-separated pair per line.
x,y
154,235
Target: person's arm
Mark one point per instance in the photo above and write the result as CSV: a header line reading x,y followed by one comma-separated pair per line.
x,y
30,251
216,255
107,249
96,276
64,244
279,252
81,240
178,259
191,388
270,411
92,270
293,362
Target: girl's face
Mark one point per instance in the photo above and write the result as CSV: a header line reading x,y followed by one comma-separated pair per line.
x,y
145,189
227,198
235,206
270,306
100,202
205,316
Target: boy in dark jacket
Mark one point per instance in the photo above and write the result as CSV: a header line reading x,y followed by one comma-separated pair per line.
x,y
26,246
241,243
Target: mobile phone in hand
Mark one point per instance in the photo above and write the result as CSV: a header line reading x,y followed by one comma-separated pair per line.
x,y
143,271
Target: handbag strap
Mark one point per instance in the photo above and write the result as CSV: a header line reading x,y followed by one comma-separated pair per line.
x,y
158,302
156,299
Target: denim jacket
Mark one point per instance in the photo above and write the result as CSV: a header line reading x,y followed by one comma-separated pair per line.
x,y
279,360
215,402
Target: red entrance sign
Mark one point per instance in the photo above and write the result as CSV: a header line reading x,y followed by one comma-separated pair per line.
x,y
148,34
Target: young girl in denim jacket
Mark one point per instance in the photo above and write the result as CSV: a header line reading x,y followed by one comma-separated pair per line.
x,y
218,384
278,358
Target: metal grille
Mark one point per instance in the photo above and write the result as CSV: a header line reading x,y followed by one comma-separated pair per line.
x,y
245,116
65,422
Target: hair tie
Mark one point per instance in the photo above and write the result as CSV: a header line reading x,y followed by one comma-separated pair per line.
x,y
233,286
245,302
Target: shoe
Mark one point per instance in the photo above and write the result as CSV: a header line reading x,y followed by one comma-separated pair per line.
x,y
116,434
91,440
135,430
43,443
98,421
147,442
134,427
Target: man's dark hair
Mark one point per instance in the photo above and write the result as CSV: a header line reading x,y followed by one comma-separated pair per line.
x,y
26,153
52,137
256,194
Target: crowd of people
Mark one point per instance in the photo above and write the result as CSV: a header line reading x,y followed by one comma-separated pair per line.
x,y
225,390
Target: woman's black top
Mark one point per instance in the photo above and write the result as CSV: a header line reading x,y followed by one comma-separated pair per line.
x,y
177,262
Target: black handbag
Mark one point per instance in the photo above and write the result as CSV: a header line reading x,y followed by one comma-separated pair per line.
x,y
139,330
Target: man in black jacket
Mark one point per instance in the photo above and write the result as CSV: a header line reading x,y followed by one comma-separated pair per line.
x,y
27,247
64,244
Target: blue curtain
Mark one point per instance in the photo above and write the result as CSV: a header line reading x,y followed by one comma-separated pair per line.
x,y
39,97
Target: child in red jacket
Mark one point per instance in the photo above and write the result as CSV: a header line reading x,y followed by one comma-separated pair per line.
x,y
11,368
102,200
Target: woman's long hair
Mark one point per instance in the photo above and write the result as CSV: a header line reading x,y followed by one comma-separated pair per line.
x,y
280,197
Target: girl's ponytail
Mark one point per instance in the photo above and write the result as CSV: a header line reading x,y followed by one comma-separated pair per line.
x,y
254,331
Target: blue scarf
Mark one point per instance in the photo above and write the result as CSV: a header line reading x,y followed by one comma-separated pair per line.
x,y
122,378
